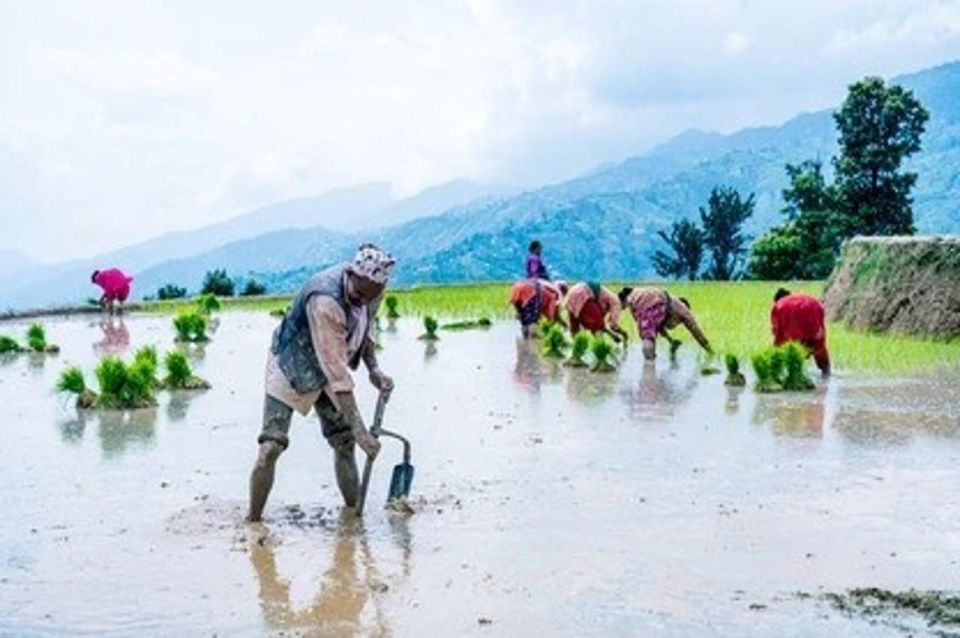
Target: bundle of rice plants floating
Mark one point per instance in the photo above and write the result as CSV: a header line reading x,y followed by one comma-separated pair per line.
x,y
179,375
9,345
581,344
207,304
795,359
146,358
125,387
468,324
72,381
554,342
430,326
735,378
191,327
391,302
763,369
603,357
37,340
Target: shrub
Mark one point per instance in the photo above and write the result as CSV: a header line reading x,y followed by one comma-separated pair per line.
x,y
171,291
253,288
179,375
581,344
602,350
430,326
735,378
207,304
391,303
9,345
217,282
191,327
554,342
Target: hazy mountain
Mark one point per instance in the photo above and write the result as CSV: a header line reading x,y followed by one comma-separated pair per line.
x,y
13,264
603,223
345,209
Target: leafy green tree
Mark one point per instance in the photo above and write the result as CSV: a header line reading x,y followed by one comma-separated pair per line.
x,y
171,291
808,189
879,126
217,282
723,231
685,242
253,288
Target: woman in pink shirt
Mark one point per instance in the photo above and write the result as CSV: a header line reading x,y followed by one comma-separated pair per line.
x,y
115,285
655,311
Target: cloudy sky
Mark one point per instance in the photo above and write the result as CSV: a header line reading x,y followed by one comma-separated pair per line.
x,y
122,120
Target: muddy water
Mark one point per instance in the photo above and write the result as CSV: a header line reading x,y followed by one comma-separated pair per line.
x,y
648,502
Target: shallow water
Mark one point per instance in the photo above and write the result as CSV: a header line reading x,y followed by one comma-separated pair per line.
x,y
652,501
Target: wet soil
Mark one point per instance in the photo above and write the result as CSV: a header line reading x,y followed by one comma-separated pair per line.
x,y
649,501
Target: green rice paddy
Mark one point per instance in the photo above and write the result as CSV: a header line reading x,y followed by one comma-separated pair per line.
x,y
734,315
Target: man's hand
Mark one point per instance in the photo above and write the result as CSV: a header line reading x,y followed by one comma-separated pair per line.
x,y
368,443
381,381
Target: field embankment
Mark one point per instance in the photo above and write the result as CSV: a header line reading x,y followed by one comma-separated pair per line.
x,y
904,285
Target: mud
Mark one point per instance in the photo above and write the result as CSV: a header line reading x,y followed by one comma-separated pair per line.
x,y
648,501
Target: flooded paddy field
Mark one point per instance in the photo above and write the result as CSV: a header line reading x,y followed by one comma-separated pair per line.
x,y
651,501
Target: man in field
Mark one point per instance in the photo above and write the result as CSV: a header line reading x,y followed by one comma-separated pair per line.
x,y
593,307
655,313
800,317
535,298
326,332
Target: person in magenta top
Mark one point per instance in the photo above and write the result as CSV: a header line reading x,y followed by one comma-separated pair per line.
x,y
800,317
115,285
536,269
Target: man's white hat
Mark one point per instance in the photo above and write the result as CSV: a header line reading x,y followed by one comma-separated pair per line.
x,y
373,263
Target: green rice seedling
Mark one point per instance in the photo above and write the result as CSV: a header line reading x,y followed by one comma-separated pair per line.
x,y
9,345
735,378
581,344
554,342
37,338
795,359
777,363
147,358
391,302
207,304
469,324
763,368
191,327
603,357
72,381
179,374
125,387
430,326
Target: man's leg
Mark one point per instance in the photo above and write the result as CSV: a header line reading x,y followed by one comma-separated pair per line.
x,y
337,432
273,441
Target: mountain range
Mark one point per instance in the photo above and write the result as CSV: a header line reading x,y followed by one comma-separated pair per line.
x,y
600,225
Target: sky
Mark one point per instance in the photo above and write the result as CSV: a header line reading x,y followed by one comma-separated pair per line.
x,y
123,120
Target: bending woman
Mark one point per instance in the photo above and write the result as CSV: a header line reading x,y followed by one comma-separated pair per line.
x,y
656,312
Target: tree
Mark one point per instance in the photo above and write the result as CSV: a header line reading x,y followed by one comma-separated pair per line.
x,y
253,288
171,291
879,127
808,189
685,241
722,231
217,282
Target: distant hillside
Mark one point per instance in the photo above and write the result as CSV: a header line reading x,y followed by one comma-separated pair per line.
x,y
603,223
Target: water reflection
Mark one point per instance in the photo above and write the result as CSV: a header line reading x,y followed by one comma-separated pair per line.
x,y
732,406
793,413
179,405
659,393
115,336
528,372
345,588
194,351
430,350
591,388
71,430
120,430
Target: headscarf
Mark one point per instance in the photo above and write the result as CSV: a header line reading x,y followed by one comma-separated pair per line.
x,y
373,263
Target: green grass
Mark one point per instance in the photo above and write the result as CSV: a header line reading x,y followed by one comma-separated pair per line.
x,y
578,350
191,327
554,341
36,338
603,357
124,386
734,315
9,345
179,374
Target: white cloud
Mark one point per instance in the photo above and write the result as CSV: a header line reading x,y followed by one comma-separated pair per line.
x,y
122,120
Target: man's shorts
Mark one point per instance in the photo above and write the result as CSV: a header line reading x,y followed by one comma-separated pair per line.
x,y
277,416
